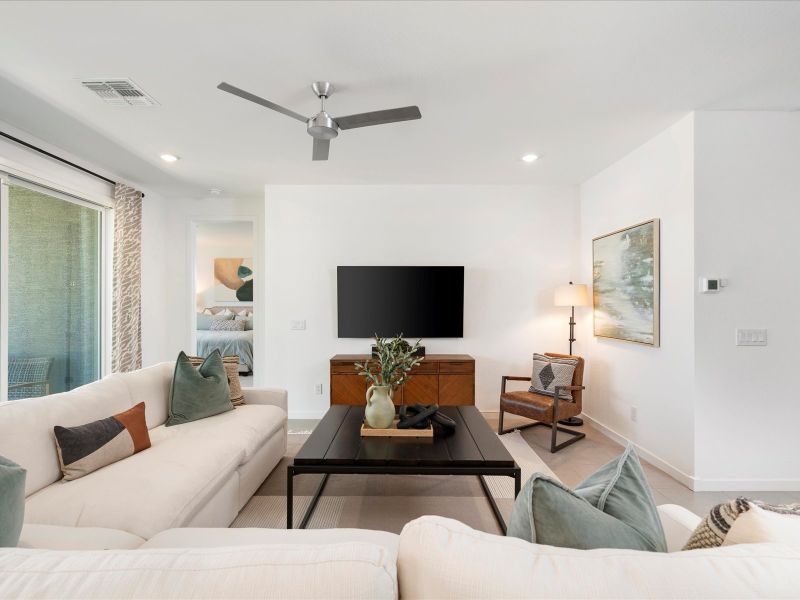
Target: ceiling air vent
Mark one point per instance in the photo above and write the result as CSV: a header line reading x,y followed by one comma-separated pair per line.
x,y
119,92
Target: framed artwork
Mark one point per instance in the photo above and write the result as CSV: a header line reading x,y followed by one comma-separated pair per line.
x,y
233,279
625,277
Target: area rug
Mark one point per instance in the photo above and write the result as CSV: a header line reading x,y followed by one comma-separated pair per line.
x,y
387,502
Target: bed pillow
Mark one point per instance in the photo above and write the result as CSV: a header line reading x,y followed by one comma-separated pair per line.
x,y
231,364
227,325
12,502
247,320
612,508
198,393
89,447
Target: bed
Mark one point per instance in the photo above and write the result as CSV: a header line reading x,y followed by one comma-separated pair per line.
x,y
229,343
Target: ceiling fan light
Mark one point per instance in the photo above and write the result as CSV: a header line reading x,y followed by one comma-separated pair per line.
x,y
322,127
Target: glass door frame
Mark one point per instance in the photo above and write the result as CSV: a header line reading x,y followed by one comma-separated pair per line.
x,y
104,207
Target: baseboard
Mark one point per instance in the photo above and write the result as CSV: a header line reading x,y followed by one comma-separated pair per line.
x,y
306,414
684,478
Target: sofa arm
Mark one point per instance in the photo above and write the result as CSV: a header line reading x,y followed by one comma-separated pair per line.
x,y
678,523
274,396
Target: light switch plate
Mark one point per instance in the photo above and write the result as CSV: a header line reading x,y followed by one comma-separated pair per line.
x,y
751,337
297,325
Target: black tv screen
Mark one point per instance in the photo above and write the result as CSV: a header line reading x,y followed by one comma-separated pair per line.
x,y
418,302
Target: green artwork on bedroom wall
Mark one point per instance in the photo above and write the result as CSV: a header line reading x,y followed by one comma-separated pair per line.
x,y
626,284
233,279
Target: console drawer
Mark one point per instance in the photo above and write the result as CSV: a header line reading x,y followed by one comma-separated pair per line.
x,y
456,367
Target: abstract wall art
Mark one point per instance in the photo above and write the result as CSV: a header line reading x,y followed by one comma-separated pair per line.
x,y
626,284
233,279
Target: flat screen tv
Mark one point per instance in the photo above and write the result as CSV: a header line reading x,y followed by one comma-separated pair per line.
x,y
419,302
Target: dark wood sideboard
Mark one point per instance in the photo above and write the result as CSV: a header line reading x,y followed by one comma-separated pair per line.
x,y
447,379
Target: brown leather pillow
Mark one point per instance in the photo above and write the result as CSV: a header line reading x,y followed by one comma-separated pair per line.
x,y
231,364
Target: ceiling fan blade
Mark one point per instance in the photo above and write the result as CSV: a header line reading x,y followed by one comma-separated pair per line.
x,y
321,148
227,87
379,117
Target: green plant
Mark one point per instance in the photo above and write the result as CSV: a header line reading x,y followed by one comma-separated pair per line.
x,y
393,363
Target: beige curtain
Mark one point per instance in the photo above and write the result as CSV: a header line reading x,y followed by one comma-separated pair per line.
x,y
126,332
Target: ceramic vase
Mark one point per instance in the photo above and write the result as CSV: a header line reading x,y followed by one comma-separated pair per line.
x,y
379,412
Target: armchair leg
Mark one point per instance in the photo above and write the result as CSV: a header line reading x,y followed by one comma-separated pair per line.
x,y
554,446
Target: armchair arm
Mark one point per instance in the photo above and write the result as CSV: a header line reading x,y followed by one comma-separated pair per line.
x,y
274,396
511,378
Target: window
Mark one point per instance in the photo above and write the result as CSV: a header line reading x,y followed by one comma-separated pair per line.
x,y
53,300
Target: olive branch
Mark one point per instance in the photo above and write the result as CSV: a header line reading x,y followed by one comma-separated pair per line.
x,y
392,364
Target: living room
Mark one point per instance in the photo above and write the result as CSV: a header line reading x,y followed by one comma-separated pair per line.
x,y
594,196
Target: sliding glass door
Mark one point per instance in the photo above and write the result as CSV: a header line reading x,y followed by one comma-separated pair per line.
x,y
53,296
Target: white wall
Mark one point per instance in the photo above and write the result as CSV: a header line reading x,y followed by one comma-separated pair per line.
x,y
655,180
219,239
516,242
747,210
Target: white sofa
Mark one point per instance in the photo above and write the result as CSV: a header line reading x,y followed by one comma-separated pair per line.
x,y
198,474
433,557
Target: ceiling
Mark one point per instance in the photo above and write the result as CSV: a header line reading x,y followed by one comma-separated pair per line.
x,y
580,84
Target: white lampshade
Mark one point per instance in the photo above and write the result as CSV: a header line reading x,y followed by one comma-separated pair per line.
x,y
572,294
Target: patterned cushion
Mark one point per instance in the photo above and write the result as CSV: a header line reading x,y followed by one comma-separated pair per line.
x,y
227,325
86,448
231,364
548,372
713,530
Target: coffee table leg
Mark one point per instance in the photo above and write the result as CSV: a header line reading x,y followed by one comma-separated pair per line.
x,y
495,509
517,482
289,496
313,504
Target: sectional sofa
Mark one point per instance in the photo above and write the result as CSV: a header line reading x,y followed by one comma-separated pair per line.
x,y
199,474
155,525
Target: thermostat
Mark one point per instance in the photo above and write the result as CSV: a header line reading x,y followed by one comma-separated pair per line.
x,y
710,285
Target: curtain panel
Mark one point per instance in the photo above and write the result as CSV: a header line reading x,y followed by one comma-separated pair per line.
x,y
126,328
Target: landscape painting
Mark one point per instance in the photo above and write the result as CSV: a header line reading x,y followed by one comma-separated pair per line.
x,y
625,284
233,279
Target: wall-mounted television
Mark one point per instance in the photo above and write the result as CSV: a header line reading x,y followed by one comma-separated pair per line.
x,y
419,302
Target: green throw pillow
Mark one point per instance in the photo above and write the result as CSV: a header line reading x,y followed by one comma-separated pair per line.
x,y
12,502
612,508
198,393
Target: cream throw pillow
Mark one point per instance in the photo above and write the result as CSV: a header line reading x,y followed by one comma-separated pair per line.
x,y
758,526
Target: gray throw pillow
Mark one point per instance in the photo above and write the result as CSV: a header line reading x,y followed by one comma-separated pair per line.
x,y
12,502
198,393
550,371
612,508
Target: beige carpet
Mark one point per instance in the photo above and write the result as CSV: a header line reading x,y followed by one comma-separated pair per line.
x,y
387,502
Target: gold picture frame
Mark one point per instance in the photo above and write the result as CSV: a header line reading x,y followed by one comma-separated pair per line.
x,y
626,284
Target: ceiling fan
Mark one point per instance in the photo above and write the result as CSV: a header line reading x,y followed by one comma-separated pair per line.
x,y
323,127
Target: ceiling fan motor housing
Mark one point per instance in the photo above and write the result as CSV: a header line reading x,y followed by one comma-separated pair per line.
x,y
322,127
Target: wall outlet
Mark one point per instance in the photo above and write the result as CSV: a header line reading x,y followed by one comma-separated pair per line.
x,y
318,389
751,337
297,325
634,413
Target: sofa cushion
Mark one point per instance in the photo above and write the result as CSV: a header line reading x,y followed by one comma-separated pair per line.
x,y
209,537
89,447
198,393
151,386
148,492
249,426
12,502
350,570
59,537
442,558
26,426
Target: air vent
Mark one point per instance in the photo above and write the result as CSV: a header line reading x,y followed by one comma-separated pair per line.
x,y
119,92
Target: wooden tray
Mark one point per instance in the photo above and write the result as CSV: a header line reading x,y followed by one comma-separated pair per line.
x,y
393,431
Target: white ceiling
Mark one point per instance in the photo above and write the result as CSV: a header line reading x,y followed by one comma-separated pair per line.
x,y
581,84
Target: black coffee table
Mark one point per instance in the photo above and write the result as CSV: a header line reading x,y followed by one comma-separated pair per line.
x,y
336,447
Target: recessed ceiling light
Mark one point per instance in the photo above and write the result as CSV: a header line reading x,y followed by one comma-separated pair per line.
x,y
215,191
529,158
169,158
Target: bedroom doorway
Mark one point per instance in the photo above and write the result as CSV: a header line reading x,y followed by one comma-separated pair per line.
x,y
224,254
